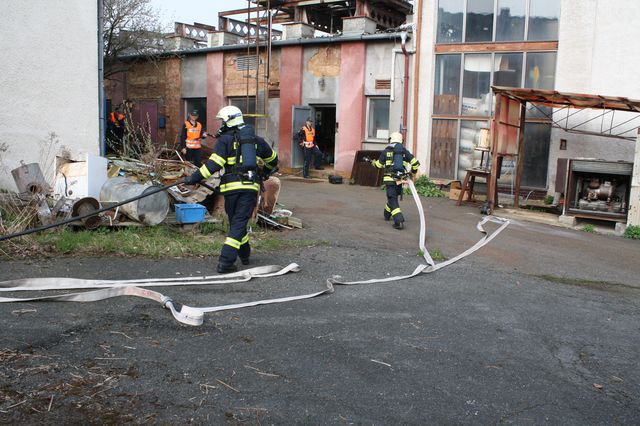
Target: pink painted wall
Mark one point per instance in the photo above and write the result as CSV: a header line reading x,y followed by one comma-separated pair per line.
x,y
291,66
351,105
215,89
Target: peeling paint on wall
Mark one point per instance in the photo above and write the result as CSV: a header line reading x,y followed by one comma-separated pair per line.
x,y
325,63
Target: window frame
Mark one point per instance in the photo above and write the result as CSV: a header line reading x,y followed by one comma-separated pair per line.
x,y
495,25
374,139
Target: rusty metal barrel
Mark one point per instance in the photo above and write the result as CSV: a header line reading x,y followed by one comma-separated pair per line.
x,y
150,210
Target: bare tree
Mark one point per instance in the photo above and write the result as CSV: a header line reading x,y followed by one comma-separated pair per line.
x,y
130,27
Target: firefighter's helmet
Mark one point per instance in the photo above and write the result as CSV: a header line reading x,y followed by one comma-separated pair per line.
x,y
231,116
395,137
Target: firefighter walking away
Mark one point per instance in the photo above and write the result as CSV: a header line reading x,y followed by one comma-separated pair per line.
x,y
395,159
237,151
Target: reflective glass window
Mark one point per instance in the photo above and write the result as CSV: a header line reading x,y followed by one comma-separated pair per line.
x,y
543,19
447,85
541,70
479,20
476,96
378,118
468,156
450,17
510,20
508,69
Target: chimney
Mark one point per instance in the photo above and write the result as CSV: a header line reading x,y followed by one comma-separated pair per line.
x,y
358,25
222,38
298,30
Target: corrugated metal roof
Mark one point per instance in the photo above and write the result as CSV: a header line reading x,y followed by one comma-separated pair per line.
x,y
556,99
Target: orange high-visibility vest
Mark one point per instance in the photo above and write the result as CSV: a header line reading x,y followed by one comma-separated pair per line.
x,y
309,136
193,135
114,120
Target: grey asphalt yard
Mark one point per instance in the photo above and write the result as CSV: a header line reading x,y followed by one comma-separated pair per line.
x,y
540,326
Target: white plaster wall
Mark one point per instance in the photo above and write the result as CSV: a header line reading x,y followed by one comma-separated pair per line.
x,y
378,63
598,53
424,99
48,80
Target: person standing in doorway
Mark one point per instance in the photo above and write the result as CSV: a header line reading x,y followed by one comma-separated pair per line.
x,y
191,139
307,139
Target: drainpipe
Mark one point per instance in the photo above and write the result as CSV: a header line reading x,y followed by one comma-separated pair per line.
x,y
101,106
405,96
416,73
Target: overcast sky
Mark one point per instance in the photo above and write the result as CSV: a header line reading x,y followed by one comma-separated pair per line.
x,y
190,11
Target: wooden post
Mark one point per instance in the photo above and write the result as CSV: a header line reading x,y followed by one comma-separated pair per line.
x,y
633,217
520,156
493,177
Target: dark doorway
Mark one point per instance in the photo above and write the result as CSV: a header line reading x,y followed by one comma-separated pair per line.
x,y
325,124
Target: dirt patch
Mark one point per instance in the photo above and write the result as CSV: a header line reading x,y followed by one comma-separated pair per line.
x,y
595,285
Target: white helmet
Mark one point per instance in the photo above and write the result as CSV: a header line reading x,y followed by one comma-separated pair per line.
x,y
395,137
231,116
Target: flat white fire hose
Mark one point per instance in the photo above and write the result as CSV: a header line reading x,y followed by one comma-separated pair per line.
x,y
107,289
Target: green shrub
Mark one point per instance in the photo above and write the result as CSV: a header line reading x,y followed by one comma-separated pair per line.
x,y
548,200
589,228
425,188
633,232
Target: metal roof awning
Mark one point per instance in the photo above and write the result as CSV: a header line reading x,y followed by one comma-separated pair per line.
x,y
552,98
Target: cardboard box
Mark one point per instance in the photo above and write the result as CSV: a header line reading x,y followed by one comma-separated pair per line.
x,y
454,190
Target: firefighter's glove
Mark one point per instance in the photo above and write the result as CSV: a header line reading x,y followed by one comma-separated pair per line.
x,y
193,179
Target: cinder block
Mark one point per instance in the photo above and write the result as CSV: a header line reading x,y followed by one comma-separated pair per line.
x,y
567,220
620,228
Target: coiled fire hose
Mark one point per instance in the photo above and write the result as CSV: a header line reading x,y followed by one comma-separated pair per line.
x,y
195,315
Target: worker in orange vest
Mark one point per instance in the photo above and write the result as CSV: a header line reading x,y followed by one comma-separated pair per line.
x,y
191,139
115,130
307,139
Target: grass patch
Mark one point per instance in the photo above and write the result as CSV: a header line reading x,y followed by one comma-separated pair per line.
x,y
155,242
435,254
589,228
633,232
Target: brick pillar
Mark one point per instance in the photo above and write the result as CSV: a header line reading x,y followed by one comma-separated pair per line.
x,y
215,89
351,105
291,66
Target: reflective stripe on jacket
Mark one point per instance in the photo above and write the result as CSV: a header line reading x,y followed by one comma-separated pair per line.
x,y
309,136
193,135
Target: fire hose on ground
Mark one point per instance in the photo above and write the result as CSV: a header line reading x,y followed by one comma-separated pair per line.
x,y
105,289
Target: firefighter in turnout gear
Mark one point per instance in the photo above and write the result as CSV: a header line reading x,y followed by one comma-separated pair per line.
x,y
394,159
237,150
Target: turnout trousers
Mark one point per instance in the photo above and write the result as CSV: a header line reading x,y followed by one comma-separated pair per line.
x,y
239,207
392,208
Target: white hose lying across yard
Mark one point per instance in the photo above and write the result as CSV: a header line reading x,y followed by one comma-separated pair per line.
x,y
195,315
